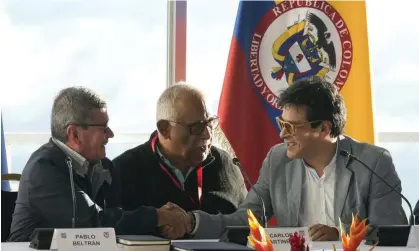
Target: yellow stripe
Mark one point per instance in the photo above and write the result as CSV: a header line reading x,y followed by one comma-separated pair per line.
x,y
357,89
277,2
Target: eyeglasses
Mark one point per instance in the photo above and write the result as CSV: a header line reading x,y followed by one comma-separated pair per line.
x,y
291,127
197,128
85,126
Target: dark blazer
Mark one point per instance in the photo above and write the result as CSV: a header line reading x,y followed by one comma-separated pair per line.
x,y
8,200
416,213
45,199
144,183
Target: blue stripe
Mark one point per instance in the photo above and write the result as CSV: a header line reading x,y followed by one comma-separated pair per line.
x,y
249,14
5,186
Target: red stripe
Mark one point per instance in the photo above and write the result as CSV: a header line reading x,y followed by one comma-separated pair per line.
x,y
180,41
199,177
242,113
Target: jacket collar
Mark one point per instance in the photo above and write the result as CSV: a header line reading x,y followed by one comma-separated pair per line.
x,y
98,175
343,175
82,165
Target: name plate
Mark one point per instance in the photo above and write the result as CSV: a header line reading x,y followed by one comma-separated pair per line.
x,y
280,236
83,239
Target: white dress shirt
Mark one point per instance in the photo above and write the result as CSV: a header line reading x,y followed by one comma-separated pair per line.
x,y
317,199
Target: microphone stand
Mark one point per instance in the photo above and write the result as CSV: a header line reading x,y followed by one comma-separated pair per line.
x,y
73,192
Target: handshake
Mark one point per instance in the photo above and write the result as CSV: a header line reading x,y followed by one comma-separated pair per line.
x,y
173,222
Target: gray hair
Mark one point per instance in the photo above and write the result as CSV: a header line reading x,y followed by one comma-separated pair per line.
x,y
166,104
73,105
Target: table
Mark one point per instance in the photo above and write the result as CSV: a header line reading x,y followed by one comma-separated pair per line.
x,y
16,246
24,246
328,245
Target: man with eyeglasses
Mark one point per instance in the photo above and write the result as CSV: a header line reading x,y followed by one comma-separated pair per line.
x,y
306,182
178,163
74,163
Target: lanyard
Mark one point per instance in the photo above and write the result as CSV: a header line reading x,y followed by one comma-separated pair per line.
x,y
199,176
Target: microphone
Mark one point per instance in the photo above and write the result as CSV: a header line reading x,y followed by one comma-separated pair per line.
x,y
263,216
347,154
73,192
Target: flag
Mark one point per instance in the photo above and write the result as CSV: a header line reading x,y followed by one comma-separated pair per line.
x,y
276,43
5,186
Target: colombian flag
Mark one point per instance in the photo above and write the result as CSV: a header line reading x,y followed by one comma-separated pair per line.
x,y
276,43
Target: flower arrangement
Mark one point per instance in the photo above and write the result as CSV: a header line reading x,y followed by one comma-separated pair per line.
x,y
298,242
258,238
357,233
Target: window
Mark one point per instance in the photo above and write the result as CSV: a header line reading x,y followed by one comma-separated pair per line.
x,y
393,44
395,84
208,45
404,156
117,48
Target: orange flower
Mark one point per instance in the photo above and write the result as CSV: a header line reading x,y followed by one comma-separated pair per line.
x,y
357,233
258,238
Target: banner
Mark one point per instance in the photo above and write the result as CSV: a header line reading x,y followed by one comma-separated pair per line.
x,y
276,43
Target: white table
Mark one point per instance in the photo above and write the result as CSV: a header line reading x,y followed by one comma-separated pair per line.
x,y
15,246
24,246
328,245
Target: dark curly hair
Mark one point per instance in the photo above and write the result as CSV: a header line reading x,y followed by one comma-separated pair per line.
x,y
322,100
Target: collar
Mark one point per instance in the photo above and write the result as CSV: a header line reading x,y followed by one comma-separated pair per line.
x,y
331,163
164,159
97,174
82,166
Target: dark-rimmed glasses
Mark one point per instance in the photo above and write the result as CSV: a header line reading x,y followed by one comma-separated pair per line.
x,y
196,128
86,126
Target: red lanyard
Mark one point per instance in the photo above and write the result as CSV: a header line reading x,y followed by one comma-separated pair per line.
x,y
175,181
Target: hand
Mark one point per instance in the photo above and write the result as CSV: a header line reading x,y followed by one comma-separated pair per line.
x,y
168,232
320,232
188,217
172,221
